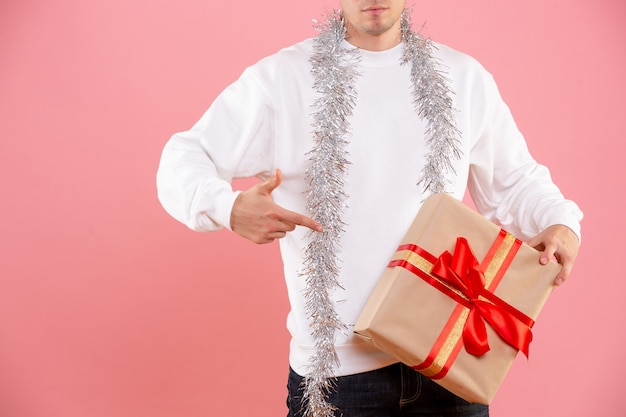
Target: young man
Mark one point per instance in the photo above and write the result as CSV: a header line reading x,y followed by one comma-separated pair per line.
x,y
341,128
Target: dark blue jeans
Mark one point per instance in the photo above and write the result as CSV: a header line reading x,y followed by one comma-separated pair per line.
x,y
393,391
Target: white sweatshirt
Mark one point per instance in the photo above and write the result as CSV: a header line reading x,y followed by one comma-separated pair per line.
x,y
263,122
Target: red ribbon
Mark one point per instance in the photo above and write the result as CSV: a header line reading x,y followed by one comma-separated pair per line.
x,y
462,272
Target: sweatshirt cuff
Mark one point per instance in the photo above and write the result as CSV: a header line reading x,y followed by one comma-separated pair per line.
x,y
572,222
224,202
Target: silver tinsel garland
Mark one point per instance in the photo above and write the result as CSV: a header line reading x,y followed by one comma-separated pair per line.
x,y
334,69
334,72
433,103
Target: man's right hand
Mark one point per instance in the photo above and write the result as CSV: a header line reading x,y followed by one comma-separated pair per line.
x,y
256,217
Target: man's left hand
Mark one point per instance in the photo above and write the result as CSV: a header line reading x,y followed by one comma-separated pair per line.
x,y
560,243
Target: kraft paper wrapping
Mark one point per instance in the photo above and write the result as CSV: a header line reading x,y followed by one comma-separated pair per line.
x,y
405,316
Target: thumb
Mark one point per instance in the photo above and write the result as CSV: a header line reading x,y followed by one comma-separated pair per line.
x,y
272,183
536,242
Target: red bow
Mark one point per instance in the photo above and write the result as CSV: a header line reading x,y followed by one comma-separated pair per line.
x,y
463,272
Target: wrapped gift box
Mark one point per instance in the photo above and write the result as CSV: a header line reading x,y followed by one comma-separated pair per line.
x,y
458,299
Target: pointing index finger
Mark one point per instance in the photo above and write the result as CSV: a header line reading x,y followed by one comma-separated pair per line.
x,y
299,219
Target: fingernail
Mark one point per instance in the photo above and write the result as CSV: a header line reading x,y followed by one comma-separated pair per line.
x,y
559,281
543,260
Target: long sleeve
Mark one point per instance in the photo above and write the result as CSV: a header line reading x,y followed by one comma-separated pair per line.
x,y
506,184
233,139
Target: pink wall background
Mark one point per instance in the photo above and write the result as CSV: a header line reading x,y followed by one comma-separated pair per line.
x,y
108,307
